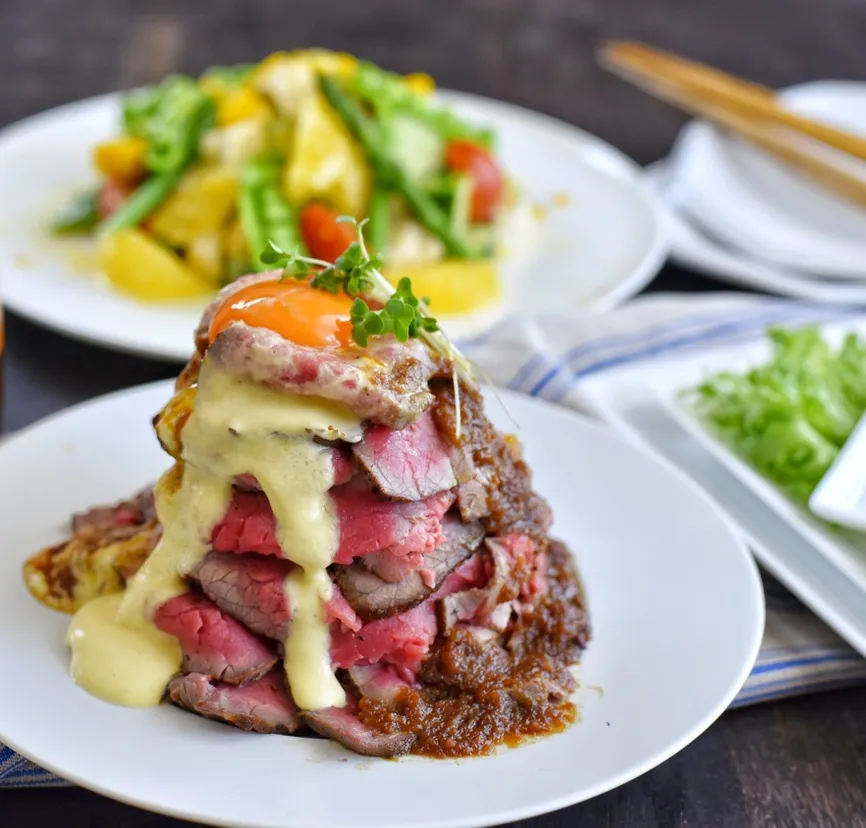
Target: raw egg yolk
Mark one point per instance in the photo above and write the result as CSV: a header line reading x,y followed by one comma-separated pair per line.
x,y
294,310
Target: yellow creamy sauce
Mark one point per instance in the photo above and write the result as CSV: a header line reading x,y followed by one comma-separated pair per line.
x,y
235,428
123,665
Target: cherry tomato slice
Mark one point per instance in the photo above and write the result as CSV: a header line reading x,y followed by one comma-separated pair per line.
x,y
325,237
488,183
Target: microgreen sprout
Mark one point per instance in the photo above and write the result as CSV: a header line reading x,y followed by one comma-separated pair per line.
x,y
357,273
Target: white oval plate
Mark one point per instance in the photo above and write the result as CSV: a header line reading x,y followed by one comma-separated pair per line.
x,y
677,612
756,204
599,249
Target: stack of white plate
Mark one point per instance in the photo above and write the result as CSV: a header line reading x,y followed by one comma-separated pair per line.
x,y
740,215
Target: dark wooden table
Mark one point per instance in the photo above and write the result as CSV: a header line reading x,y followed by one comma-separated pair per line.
x,y
793,763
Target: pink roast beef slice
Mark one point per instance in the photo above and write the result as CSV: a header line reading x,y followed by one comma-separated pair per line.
x,y
213,642
263,705
410,464
251,588
134,512
472,498
248,526
386,382
402,640
374,597
341,725
510,569
373,681
367,524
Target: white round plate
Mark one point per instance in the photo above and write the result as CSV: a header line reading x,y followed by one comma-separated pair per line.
x,y
676,605
593,252
756,204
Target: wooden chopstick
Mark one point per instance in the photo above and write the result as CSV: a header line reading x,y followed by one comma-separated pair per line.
x,y
746,109
638,62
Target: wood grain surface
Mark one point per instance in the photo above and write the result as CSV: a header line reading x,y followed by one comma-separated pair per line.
x,y
793,763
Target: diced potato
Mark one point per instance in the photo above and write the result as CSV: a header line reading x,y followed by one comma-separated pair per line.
x,y
232,146
453,286
143,268
121,158
288,78
242,104
409,242
204,256
199,206
326,162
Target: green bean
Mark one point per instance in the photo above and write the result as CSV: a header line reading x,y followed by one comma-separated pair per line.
x,y
388,92
264,213
428,213
176,125
142,202
172,117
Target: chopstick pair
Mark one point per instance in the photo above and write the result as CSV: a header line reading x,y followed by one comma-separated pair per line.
x,y
827,155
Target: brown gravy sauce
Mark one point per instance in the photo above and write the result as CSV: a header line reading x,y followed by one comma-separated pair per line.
x,y
474,696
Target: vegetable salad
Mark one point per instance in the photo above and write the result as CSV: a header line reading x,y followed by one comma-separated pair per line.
x,y
790,417
207,171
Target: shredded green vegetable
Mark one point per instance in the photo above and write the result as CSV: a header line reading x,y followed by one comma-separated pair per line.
x,y
388,94
789,417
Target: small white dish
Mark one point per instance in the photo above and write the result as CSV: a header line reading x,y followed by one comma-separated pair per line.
x,y
692,247
840,497
600,246
677,625
755,203
624,398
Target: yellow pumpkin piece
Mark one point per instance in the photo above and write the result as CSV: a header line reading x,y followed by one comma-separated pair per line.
x,y
288,78
420,83
199,206
453,286
121,158
143,268
242,104
236,242
326,163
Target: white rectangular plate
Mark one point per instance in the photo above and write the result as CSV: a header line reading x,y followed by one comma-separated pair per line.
x,y
636,399
845,549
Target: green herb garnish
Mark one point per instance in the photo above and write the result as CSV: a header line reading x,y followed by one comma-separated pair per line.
x,y
400,316
356,273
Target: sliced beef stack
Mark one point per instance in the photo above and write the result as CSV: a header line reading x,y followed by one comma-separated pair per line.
x,y
440,534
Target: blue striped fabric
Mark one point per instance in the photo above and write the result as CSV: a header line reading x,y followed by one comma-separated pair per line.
x,y
548,358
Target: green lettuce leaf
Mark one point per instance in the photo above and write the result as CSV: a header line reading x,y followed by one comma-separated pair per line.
x,y
789,417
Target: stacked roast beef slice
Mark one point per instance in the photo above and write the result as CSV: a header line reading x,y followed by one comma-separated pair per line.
x,y
436,532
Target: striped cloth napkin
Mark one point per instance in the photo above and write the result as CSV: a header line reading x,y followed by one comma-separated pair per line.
x,y
548,357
